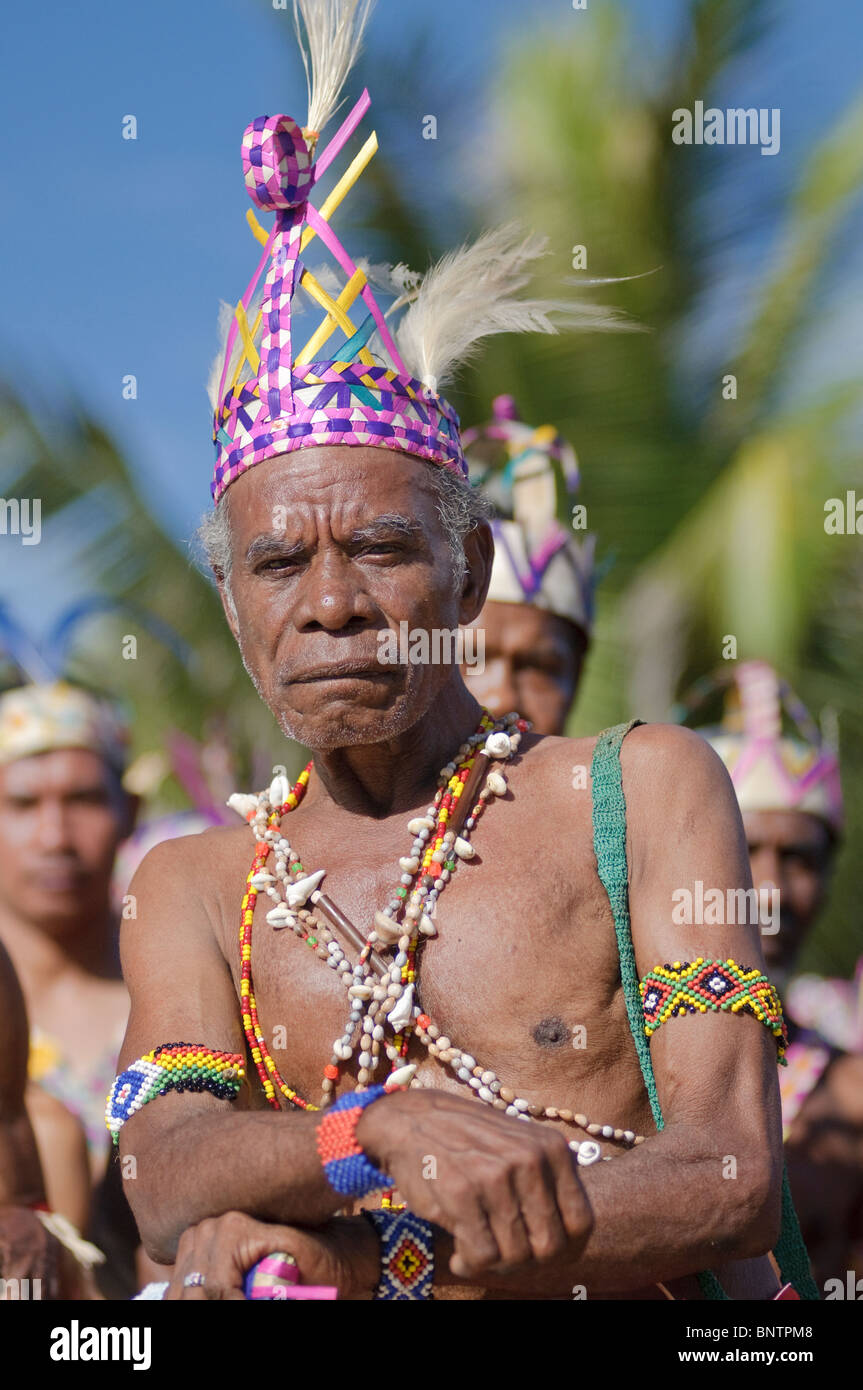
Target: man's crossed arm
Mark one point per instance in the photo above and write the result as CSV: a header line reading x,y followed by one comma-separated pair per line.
x,y
507,1192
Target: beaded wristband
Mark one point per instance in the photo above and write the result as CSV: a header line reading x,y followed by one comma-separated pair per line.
x,y
345,1165
407,1255
172,1067
711,986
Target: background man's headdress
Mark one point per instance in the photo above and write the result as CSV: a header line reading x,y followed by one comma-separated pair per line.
x,y
531,477
772,770
41,710
352,380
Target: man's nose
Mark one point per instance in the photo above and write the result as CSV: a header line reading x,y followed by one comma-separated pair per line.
x,y
766,868
54,825
332,597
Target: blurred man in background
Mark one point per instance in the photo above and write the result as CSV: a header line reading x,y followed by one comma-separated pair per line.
x,y
537,618
63,814
790,795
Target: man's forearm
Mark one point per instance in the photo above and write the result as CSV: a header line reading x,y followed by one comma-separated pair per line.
x,y
258,1162
661,1212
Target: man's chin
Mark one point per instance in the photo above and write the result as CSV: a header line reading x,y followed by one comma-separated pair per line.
x,y
339,721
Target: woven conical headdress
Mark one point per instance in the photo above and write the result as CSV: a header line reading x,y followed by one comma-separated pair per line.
x,y
772,770
530,475
353,381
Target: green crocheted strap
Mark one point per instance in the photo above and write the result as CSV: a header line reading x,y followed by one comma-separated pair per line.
x,y
609,843
711,986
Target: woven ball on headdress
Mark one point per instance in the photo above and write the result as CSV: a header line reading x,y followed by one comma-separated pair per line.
x,y
277,164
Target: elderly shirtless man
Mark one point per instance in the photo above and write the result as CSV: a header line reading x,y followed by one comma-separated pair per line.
x,y
524,954
487,971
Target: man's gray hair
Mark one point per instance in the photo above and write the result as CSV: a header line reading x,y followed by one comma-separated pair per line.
x,y
459,507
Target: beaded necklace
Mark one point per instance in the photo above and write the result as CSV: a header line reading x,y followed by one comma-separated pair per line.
x,y
381,993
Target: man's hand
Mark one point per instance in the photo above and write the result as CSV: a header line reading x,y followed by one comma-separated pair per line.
x,y
344,1253
506,1190
27,1251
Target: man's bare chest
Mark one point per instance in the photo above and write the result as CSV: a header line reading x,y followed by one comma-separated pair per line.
x,y
522,974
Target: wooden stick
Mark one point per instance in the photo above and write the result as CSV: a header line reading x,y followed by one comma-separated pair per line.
x,y
468,796
347,930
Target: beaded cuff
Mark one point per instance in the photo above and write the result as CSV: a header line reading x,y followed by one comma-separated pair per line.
x,y
172,1067
347,1169
407,1255
711,986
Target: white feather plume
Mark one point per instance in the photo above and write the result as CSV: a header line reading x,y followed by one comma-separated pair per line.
x,y
226,314
473,293
333,38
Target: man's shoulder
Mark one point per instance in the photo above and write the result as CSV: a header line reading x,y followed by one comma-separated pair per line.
x,y
661,748
192,859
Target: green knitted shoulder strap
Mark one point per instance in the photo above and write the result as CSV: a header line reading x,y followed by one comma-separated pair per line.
x,y
609,845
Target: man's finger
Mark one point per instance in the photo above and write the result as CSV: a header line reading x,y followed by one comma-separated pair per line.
x,y
537,1197
572,1200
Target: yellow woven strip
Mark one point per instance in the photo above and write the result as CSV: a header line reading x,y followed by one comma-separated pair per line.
x,y
336,316
344,186
252,353
257,230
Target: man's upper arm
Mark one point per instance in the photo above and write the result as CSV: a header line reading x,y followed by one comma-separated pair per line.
x,y
686,835
180,986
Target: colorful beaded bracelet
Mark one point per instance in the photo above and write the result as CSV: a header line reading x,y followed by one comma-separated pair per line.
x,y
172,1067
347,1169
407,1255
707,986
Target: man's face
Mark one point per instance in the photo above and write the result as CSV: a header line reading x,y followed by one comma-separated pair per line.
x,y
533,660
333,547
790,850
62,816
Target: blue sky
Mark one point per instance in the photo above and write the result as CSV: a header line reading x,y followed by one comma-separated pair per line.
x,y
117,252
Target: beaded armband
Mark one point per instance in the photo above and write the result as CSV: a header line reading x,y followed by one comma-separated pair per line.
x,y
172,1067
711,986
407,1255
347,1169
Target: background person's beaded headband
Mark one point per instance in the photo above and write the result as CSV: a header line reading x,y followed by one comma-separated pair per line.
x,y
353,381
530,475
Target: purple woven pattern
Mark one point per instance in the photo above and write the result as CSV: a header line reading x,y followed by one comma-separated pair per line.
x,y
274,373
276,407
404,416
276,163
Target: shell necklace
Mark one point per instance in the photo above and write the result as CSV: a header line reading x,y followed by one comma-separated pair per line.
x,y
383,1012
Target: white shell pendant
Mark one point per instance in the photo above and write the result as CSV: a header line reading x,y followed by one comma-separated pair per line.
x,y
420,823
498,745
279,789
463,848
496,783
427,926
402,1076
299,892
280,916
403,1012
243,803
387,930
588,1152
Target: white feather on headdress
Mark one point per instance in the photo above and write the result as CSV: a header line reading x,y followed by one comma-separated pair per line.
x,y
226,314
333,38
473,293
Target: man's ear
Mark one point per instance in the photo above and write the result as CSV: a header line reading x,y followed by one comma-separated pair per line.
x,y
479,555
